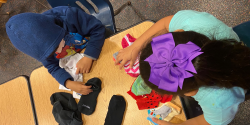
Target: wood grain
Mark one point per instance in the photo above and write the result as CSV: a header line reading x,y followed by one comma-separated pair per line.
x,y
15,106
43,86
114,82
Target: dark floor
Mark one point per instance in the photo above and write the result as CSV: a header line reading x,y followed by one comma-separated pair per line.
x,y
13,62
232,12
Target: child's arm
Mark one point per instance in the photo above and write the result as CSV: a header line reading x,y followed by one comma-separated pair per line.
x,y
64,78
84,65
78,87
130,53
52,64
87,25
199,120
76,20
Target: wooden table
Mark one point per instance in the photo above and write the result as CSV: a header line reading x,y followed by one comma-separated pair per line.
x,y
15,106
2,1
114,82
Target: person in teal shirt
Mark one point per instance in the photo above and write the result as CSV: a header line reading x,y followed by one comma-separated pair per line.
x,y
221,79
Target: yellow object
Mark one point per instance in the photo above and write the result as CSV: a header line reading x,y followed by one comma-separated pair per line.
x,y
158,116
3,1
70,51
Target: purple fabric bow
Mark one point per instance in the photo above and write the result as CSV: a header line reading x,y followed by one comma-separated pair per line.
x,y
170,64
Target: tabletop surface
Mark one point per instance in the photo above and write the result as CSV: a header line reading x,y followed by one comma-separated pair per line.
x,y
15,106
114,82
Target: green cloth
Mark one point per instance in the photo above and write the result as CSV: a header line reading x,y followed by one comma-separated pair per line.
x,y
139,87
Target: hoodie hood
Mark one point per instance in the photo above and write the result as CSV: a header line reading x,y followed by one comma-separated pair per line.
x,y
35,34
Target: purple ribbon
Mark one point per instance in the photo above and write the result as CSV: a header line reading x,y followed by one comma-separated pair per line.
x,y
170,64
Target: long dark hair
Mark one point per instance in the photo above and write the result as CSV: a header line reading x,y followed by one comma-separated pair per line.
x,y
224,63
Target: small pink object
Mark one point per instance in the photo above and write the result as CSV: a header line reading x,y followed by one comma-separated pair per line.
x,y
134,72
127,41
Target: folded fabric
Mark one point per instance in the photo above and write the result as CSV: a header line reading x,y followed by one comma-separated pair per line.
x,y
134,71
139,87
175,110
117,106
134,96
69,64
87,103
149,101
159,113
74,43
166,98
65,109
172,111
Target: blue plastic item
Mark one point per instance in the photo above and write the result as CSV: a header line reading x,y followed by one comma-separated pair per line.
x,y
105,14
150,119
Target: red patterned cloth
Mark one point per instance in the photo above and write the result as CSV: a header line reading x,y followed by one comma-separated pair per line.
x,y
151,100
67,51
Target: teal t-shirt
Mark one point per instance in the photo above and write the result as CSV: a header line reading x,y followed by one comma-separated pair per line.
x,y
219,105
202,22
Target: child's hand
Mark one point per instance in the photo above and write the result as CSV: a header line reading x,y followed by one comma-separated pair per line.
x,y
161,122
84,65
129,53
78,87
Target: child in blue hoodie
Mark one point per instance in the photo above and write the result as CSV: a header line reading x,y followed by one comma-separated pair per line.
x,y
42,35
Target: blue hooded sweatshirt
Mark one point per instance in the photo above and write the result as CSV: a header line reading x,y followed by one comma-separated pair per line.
x,y
39,35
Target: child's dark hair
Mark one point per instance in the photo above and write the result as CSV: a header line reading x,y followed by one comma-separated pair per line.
x,y
224,63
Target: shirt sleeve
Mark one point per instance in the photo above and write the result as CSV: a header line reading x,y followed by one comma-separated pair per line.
x,y
202,22
219,116
86,25
52,64
219,105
